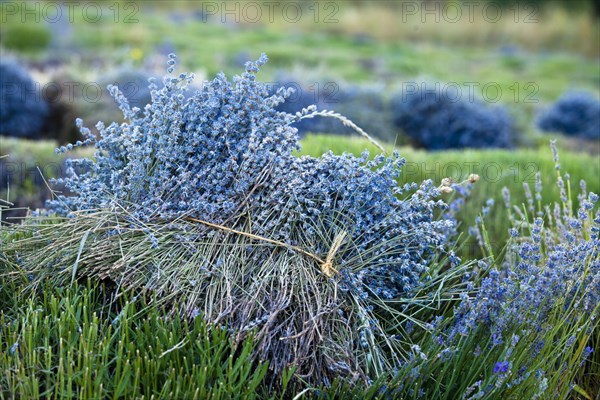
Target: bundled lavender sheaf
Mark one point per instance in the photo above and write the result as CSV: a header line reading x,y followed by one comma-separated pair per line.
x,y
225,156
220,216
435,120
23,110
573,114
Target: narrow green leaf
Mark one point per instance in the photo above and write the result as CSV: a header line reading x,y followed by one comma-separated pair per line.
x,y
582,392
83,239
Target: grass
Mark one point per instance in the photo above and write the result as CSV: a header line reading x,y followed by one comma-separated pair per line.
x,y
24,170
343,59
549,27
73,342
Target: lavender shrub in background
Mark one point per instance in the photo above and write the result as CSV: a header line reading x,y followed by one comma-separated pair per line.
x,y
364,105
23,110
573,114
435,120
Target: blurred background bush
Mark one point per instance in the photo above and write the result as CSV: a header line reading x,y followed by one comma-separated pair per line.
x,y
438,120
23,108
25,38
573,114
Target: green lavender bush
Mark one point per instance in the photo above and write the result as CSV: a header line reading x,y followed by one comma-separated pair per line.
x,y
25,37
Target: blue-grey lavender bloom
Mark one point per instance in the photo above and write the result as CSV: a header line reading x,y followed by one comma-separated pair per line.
x,y
585,354
226,152
538,186
529,197
555,154
506,197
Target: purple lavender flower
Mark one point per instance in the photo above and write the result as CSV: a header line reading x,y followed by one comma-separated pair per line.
x,y
501,367
553,263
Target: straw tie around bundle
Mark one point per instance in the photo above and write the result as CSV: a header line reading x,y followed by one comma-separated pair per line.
x,y
326,265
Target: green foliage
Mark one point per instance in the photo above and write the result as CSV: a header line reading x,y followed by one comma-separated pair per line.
x,y
76,342
26,37
23,171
